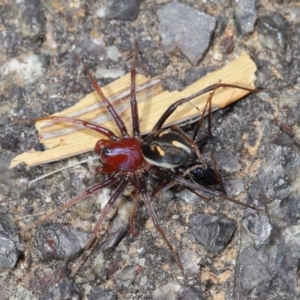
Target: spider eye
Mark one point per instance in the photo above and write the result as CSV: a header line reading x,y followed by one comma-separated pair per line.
x,y
105,150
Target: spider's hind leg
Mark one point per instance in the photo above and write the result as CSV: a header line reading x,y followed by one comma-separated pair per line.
x,y
159,229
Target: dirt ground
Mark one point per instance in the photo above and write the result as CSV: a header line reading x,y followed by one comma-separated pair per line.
x,y
257,151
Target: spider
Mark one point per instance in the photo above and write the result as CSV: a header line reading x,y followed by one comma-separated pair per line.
x,y
163,154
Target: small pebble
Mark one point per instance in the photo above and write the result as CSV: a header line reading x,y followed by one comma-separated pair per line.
x,y
26,70
190,23
109,73
113,53
245,16
119,9
11,244
213,232
59,242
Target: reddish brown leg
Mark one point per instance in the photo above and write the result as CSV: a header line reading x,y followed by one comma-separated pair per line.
x,y
210,191
143,191
106,209
132,229
106,102
190,141
199,195
199,124
133,102
167,186
85,124
163,187
174,106
74,200
207,190
160,187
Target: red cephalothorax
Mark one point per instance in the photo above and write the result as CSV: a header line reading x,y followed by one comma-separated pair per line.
x,y
122,155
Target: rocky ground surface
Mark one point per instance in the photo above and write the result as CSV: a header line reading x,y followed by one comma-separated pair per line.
x,y
229,252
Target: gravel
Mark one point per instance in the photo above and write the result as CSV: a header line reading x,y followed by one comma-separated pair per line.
x,y
258,147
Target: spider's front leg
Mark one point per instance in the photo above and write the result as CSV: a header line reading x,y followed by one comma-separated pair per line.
x,y
159,124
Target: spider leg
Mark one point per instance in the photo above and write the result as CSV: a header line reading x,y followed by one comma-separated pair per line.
x,y
190,141
179,102
218,175
85,124
143,191
216,193
199,195
199,123
106,209
74,200
133,102
158,189
165,186
161,187
194,186
132,229
106,102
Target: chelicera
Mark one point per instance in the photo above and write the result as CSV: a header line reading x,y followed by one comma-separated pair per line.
x,y
163,154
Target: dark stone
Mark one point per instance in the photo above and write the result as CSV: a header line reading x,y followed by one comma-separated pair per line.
x,y
11,244
60,286
10,142
175,291
104,264
194,74
213,232
126,277
274,35
114,234
59,242
227,161
190,23
101,293
233,186
245,16
33,20
258,227
270,269
121,9
17,93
